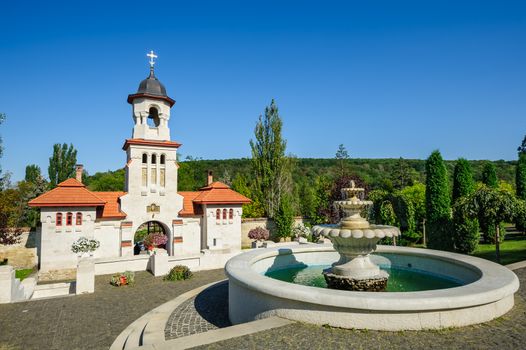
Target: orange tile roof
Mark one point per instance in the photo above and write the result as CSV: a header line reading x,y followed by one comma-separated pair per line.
x,y
69,193
219,193
156,143
189,208
111,209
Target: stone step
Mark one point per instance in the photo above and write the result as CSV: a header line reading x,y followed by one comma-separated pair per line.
x,y
53,290
134,339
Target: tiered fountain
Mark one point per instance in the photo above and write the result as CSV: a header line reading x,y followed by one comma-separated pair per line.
x,y
354,239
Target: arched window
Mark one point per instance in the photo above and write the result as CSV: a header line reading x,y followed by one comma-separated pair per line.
x,y
224,214
79,219
69,219
154,158
218,214
231,214
144,158
59,219
163,159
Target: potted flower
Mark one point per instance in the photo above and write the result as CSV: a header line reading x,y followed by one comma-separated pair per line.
x,y
85,246
123,279
155,240
259,234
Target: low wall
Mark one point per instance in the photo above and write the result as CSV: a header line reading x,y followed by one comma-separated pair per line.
x,y
22,255
248,224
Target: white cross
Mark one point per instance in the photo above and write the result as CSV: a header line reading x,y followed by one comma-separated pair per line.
x,y
152,57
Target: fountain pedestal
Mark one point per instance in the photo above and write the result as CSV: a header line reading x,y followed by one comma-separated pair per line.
x,y
354,238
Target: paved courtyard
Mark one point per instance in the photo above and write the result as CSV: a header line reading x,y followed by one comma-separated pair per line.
x,y
89,321
93,322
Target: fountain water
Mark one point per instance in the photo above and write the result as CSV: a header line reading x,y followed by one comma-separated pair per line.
x,y
354,239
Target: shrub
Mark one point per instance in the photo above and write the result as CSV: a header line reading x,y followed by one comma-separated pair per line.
x,y
284,218
178,273
123,279
259,234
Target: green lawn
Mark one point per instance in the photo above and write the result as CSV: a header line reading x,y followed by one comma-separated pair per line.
x,y
511,250
21,274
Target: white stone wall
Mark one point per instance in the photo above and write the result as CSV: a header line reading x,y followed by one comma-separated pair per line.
x,y
56,241
190,233
222,234
248,224
107,232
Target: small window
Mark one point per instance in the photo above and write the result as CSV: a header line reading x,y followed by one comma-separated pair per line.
x,y
224,214
69,219
144,158
59,219
79,219
231,214
163,159
218,214
154,159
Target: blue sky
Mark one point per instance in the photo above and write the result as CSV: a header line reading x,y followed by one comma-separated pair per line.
x,y
385,78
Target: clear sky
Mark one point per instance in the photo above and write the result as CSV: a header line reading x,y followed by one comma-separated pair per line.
x,y
385,78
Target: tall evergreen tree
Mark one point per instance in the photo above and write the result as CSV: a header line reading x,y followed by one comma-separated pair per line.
x,y
271,168
489,175
522,147
62,163
438,204
520,185
465,229
403,175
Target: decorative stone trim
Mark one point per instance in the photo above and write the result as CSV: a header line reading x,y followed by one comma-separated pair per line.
x,y
177,222
126,224
178,239
127,243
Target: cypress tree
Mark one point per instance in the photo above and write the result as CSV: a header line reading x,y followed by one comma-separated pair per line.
x,y
489,175
438,204
465,229
520,184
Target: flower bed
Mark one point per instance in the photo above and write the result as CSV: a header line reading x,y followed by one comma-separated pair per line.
x,y
123,279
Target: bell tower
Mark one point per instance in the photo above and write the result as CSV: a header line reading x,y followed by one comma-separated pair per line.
x,y
151,108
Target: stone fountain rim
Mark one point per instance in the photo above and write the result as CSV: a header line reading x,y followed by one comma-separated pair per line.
x,y
496,282
378,231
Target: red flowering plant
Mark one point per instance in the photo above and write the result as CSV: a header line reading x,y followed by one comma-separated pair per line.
x,y
155,239
259,234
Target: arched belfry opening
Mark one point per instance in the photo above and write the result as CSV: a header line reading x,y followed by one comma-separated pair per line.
x,y
153,119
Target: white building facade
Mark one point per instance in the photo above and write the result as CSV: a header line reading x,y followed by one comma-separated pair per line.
x,y
206,221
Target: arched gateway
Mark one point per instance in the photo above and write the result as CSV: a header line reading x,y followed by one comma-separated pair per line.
x,y
147,234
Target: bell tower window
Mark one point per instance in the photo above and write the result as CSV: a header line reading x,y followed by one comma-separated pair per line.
x,y
144,158
154,159
153,119
163,159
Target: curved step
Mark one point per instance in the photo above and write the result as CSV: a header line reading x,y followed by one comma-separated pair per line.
x,y
149,328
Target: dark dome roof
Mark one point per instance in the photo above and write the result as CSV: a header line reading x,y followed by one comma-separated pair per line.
x,y
152,86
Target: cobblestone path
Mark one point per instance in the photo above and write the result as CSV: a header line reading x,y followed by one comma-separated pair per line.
x,y
507,332
90,321
206,311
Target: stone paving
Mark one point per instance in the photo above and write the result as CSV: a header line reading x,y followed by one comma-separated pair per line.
x,y
90,321
507,332
206,311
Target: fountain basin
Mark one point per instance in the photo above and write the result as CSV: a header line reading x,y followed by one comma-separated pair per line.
x,y
487,290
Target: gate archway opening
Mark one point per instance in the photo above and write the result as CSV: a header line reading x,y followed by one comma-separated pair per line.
x,y
144,231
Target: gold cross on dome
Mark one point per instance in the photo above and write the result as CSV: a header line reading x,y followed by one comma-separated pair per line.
x,y
152,57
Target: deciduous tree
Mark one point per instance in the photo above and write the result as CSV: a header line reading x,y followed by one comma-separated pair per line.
x,y
62,163
270,165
